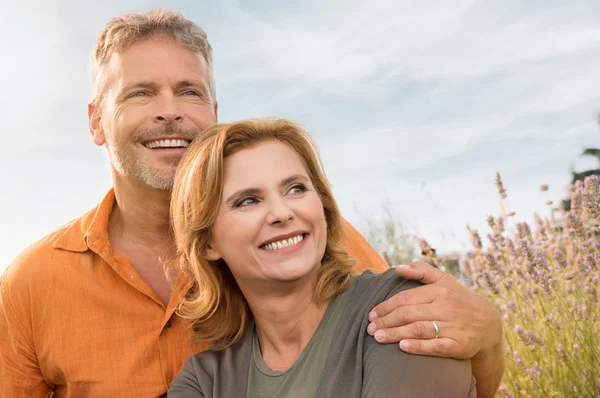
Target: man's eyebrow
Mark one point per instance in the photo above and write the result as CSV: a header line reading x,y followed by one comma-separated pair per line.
x,y
190,83
128,87
256,191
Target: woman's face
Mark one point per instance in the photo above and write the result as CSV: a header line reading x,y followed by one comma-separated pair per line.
x,y
271,225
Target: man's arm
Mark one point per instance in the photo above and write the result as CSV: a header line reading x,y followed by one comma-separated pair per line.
x,y
366,257
469,325
20,374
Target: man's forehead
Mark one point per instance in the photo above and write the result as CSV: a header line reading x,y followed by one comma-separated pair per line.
x,y
155,56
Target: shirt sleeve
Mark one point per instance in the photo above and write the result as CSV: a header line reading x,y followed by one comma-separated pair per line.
x,y
20,374
358,247
186,384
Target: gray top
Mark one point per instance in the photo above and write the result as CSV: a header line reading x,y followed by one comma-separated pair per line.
x,y
357,366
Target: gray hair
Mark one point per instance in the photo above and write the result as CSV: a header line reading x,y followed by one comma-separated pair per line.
x,y
122,32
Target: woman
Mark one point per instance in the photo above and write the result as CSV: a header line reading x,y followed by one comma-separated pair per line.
x,y
259,232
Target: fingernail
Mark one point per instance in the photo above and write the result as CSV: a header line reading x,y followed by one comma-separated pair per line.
x,y
372,316
372,328
379,335
403,266
404,345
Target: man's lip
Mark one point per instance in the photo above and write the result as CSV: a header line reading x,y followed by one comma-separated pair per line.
x,y
167,137
282,237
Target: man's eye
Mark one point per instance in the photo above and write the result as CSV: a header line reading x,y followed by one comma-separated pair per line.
x,y
139,94
246,202
190,92
299,188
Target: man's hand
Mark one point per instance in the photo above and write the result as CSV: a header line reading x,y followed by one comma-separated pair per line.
x,y
469,327
467,322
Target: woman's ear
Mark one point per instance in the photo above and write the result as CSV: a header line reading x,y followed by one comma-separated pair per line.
x,y
211,253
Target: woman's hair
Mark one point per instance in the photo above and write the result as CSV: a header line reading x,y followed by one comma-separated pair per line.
x,y
215,305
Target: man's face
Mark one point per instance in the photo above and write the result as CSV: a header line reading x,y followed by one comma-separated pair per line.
x,y
157,100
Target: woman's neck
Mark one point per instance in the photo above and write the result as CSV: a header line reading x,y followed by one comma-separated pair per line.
x,y
286,322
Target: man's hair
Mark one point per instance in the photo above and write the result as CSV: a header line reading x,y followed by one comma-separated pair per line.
x,y
215,306
122,32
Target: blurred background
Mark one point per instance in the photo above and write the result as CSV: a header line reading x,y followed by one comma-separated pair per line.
x,y
415,105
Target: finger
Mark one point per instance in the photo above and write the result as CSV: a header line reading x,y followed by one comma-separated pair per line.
x,y
415,330
418,295
406,315
422,272
442,347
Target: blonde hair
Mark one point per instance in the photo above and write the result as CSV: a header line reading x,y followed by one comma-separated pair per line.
x,y
215,306
122,32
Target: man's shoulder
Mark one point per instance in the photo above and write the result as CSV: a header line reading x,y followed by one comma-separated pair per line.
x,y
42,253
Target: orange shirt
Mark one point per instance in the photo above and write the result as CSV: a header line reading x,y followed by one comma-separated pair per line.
x,y
76,318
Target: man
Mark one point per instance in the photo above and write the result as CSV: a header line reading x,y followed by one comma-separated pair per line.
x,y
88,311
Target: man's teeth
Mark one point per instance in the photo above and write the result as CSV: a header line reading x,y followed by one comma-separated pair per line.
x,y
284,243
167,144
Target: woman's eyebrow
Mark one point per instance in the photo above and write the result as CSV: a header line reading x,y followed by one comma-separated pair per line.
x,y
257,191
293,178
243,192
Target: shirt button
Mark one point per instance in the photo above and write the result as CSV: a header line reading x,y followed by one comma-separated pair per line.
x,y
168,324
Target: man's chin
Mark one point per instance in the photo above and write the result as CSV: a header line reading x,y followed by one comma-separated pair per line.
x,y
157,181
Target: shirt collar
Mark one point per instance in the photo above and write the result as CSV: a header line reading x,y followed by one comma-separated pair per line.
x,y
89,231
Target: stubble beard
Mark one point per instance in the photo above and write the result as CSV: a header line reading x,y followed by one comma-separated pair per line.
x,y
126,163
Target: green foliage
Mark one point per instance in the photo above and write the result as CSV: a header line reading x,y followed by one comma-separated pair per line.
x,y
580,175
544,281
391,238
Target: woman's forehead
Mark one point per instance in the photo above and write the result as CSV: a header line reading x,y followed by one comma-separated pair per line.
x,y
271,160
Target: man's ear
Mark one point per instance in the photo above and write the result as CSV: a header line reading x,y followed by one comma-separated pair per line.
x,y
211,253
95,125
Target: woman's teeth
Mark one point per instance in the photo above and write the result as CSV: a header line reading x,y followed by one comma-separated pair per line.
x,y
283,243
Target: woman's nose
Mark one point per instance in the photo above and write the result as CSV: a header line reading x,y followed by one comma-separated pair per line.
x,y
279,212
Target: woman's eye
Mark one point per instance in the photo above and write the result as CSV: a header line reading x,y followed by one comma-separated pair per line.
x,y
300,188
245,202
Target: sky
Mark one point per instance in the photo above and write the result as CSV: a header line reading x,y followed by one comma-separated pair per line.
x,y
415,105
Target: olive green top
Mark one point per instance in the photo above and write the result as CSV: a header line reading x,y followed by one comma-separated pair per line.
x,y
352,363
302,379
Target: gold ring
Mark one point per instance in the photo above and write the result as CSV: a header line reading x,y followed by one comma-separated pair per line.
x,y
437,330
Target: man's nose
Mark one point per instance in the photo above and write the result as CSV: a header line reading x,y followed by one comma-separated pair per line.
x,y
167,110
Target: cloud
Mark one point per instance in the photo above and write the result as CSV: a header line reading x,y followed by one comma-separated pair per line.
x,y
416,103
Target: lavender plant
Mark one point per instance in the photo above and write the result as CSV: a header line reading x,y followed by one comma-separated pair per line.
x,y
544,279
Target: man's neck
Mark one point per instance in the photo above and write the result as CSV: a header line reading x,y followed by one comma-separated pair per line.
x,y
140,216
285,322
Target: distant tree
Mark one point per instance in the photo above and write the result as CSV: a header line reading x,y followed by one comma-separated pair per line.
x,y
580,175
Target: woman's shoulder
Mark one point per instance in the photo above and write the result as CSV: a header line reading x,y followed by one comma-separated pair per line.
x,y
215,372
386,283
370,289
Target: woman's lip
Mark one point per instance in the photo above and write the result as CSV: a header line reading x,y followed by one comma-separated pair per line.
x,y
284,237
288,249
